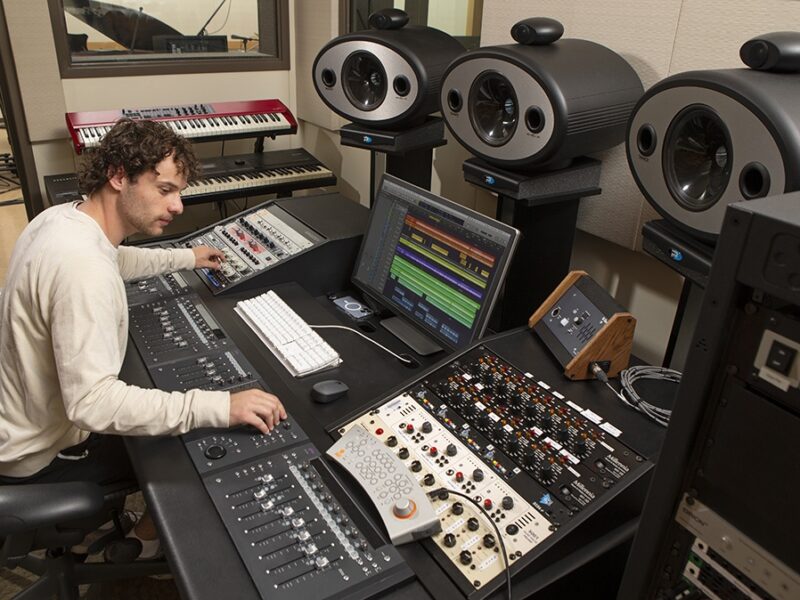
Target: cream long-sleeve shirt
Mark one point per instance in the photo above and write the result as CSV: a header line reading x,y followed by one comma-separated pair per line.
x,y
63,335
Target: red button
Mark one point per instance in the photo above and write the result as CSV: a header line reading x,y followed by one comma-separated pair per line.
x,y
410,428
434,451
487,504
379,431
459,476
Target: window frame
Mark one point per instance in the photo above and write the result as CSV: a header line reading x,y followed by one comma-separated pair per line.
x,y
174,66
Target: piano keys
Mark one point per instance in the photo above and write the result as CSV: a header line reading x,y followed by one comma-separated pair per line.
x,y
198,122
235,176
242,175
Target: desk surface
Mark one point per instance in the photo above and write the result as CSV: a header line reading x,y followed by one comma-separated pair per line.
x,y
204,561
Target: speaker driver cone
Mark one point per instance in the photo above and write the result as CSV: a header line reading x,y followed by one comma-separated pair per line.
x,y
493,108
697,158
364,80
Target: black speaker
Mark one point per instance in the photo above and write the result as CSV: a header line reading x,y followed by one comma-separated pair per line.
x,y
386,78
539,104
701,140
720,520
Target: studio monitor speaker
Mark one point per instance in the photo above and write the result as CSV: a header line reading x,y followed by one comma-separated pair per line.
x,y
387,77
541,102
701,140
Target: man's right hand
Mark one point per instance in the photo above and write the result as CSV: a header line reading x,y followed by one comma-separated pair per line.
x,y
256,408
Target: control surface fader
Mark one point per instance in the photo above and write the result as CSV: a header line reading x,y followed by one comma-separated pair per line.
x,y
399,498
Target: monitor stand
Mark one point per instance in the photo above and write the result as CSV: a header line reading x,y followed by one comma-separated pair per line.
x,y
412,338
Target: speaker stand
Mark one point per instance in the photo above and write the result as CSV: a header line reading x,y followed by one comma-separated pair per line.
x,y
409,152
544,207
690,258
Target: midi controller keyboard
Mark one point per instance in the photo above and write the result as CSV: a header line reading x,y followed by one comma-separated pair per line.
x,y
531,463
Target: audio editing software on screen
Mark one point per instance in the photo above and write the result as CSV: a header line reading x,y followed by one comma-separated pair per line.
x,y
434,262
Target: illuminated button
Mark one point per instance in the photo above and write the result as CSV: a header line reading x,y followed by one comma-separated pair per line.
x,y
433,451
488,504
379,431
409,428
459,476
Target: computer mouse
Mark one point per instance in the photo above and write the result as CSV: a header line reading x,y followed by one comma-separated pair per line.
x,y
328,390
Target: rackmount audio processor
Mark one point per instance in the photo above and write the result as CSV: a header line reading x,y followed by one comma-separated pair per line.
x,y
535,463
296,529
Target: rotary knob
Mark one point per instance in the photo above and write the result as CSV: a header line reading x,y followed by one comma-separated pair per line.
x,y
465,557
449,540
507,503
403,508
403,453
416,466
489,541
427,427
473,524
451,450
458,508
391,441
477,475
428,479
215,452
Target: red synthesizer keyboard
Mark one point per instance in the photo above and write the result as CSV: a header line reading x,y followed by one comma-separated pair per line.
x,y
198,122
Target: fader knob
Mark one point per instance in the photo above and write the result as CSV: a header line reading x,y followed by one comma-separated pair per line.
x,y
449,540
215,452
546,472
473,524
465,557
580,447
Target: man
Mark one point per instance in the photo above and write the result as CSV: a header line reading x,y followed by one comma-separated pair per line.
x,y
64,322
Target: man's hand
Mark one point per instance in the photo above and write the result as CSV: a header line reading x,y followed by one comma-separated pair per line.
x,y
259,409
205,256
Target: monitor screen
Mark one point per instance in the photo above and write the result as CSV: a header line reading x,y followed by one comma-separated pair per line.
x,y
436,264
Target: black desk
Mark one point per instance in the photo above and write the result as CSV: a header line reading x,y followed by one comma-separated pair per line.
x,y
203,559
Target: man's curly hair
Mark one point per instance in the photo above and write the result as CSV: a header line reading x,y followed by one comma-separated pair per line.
x,y
136,147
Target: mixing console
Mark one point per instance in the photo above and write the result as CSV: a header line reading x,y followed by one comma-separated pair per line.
x,y
295,528
535,462
252,242
146,290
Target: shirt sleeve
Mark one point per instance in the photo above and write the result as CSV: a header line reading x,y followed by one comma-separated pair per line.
x,y
135,262
85,316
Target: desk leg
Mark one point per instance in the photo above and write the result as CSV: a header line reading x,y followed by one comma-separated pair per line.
x,y
542,258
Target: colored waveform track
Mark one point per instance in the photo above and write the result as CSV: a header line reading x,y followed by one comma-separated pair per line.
x,y
407,247
445,298
440,235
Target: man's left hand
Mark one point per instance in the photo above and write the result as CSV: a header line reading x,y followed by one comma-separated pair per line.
x,y
205,256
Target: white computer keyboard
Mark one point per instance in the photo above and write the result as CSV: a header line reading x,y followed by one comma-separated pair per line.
x,y
299,348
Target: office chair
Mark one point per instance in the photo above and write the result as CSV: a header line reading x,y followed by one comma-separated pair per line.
x,y
54,517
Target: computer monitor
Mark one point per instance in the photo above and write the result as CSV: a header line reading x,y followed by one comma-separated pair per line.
x,y
434,263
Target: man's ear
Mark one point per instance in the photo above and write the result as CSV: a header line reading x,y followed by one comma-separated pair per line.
x,y
115,177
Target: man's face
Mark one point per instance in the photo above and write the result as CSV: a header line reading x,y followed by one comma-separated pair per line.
x,y
150,203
